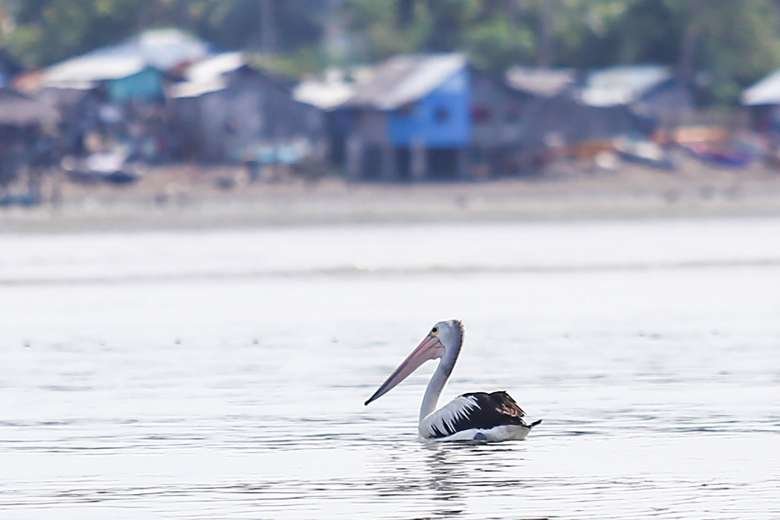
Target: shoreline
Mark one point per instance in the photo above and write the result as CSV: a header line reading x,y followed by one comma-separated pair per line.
x,y
186,198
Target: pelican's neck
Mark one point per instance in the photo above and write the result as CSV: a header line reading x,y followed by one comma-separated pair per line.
x,y
454,342
435,386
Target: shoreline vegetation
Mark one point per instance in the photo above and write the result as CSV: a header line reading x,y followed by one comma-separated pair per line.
x,y
189,197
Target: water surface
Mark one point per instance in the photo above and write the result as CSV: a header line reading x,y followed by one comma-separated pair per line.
x,y
222,374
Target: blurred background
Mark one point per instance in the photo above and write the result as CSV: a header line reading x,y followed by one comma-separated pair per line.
x,y
124,106
224,222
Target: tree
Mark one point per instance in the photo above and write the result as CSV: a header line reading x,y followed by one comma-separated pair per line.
x,y
45,31
730,43
727,43
49,30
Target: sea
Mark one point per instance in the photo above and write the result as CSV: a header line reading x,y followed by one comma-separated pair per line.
x,y
221,374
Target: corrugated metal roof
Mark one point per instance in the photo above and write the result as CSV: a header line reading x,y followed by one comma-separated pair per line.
x,y
403,79
212,74
84,71
162,49
543,82
215,66
326,92
192,89
765,92
622,85
207,75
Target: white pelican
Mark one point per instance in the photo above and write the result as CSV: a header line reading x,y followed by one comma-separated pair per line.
x,y
478,416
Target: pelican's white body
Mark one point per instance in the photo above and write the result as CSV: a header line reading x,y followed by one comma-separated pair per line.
x,y
509,432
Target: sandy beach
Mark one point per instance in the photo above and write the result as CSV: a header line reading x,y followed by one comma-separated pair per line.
x,y
190,196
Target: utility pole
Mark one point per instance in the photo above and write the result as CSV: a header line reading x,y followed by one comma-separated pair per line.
x,y
336,42
544,43
694,29
267,35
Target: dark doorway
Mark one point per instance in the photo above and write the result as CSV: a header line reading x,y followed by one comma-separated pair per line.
x,y
371,167
403,164
443,164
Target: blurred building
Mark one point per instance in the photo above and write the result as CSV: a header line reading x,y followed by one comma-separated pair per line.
x,y
436,117
113,97
762,100
650,91
163,95
26,143
130,71
18,110
564,122
328,92
582,113
500,121
9,68
228,110
541,82
428,117
410,120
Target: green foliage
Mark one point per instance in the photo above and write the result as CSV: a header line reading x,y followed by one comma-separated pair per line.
x,y
378,31
48,30
240,23
734,45
305,60
497,43
727,44
45,31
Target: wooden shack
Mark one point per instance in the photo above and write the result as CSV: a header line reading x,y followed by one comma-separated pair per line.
x,y
230,111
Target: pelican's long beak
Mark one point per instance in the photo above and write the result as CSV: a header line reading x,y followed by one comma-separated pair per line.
x,y
429,348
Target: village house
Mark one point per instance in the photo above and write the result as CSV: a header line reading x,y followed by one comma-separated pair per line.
x,y
20,111
228,110
650,91
500,122
26,143
582,113
541,82
130,71
566,123
410,120
428,117
122,78
762,101
412,117
114,96
9,68
328,92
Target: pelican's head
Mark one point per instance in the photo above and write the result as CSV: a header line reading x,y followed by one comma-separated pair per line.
x,y
443,341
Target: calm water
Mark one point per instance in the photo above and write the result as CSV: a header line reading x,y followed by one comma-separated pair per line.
x,y
222,375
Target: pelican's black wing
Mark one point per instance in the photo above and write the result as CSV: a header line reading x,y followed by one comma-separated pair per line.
x,y
480,410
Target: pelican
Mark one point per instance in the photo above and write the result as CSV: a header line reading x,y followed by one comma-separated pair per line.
x,y
477,416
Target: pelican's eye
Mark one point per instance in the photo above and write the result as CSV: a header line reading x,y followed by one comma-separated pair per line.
x,y
435,330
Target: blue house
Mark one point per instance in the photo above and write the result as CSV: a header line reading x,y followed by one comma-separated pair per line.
x,y
428,117
439,119
410,121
